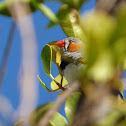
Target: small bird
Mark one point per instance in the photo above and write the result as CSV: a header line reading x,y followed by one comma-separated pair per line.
x,y
72,58
73,63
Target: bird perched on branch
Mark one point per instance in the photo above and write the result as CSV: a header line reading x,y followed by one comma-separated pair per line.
x,y
72,58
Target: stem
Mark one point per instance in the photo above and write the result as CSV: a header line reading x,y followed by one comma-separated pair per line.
x,y
58,84
45,10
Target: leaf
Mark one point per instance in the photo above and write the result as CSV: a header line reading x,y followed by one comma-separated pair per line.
x,y
124,64
58,120
45,10
4,8
42,83
121,87
58,58
5,4
58,79
46,56
70,106
72,25
38,113
96,25
55,49
64,10
48,13
74,3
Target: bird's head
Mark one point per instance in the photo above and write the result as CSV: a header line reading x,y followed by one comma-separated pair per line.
x,y
71,47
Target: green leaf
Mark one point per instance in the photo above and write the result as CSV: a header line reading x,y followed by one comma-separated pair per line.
x,y
55,49
72,25
48,13
74,3
124,64
58,120
46,56
56,55
96,25
4,8
42,83
45,10
58,79
70,106
38,113
5,4
64,10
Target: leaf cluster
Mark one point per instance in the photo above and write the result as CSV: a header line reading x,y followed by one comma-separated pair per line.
x,y
105,39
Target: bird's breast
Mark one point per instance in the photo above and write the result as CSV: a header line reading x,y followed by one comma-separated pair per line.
x,y
72,71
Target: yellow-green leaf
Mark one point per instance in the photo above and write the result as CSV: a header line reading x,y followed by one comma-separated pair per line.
x,y
58,120
64,10
45,10
55,49
72,25
124,64
38,113
58,79
8,3
58,58
42,83
74,3
70,106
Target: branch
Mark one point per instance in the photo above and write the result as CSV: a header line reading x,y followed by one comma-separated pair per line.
x,y
60,100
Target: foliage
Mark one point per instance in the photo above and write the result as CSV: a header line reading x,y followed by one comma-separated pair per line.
x,y
105,39
37,114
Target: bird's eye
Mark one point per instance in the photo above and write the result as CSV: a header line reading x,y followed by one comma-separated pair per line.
x,y
70,41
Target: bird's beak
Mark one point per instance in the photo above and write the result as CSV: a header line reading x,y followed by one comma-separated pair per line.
x,y
60,43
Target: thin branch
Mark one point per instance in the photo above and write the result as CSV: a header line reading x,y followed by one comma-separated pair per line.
x,y
60,100
6,54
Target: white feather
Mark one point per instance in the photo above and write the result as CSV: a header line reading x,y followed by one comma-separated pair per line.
x,y
72,71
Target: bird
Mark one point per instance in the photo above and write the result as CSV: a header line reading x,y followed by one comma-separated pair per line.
x,y
72,58
73,63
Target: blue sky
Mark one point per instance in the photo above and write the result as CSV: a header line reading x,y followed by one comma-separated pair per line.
x,y
10,87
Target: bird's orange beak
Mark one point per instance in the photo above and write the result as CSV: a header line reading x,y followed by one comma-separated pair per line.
x,y
60,43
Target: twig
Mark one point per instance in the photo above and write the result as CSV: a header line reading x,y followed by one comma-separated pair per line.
x,y
61,80
6,54
73,87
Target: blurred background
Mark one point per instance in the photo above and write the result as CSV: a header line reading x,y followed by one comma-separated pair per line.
x,y
10,88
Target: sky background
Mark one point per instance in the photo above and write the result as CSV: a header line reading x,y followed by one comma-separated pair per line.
x,y
10,87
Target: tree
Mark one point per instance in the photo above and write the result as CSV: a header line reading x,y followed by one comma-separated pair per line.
x,y
101,101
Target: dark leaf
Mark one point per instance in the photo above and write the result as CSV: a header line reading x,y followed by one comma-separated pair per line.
x,y
46,56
